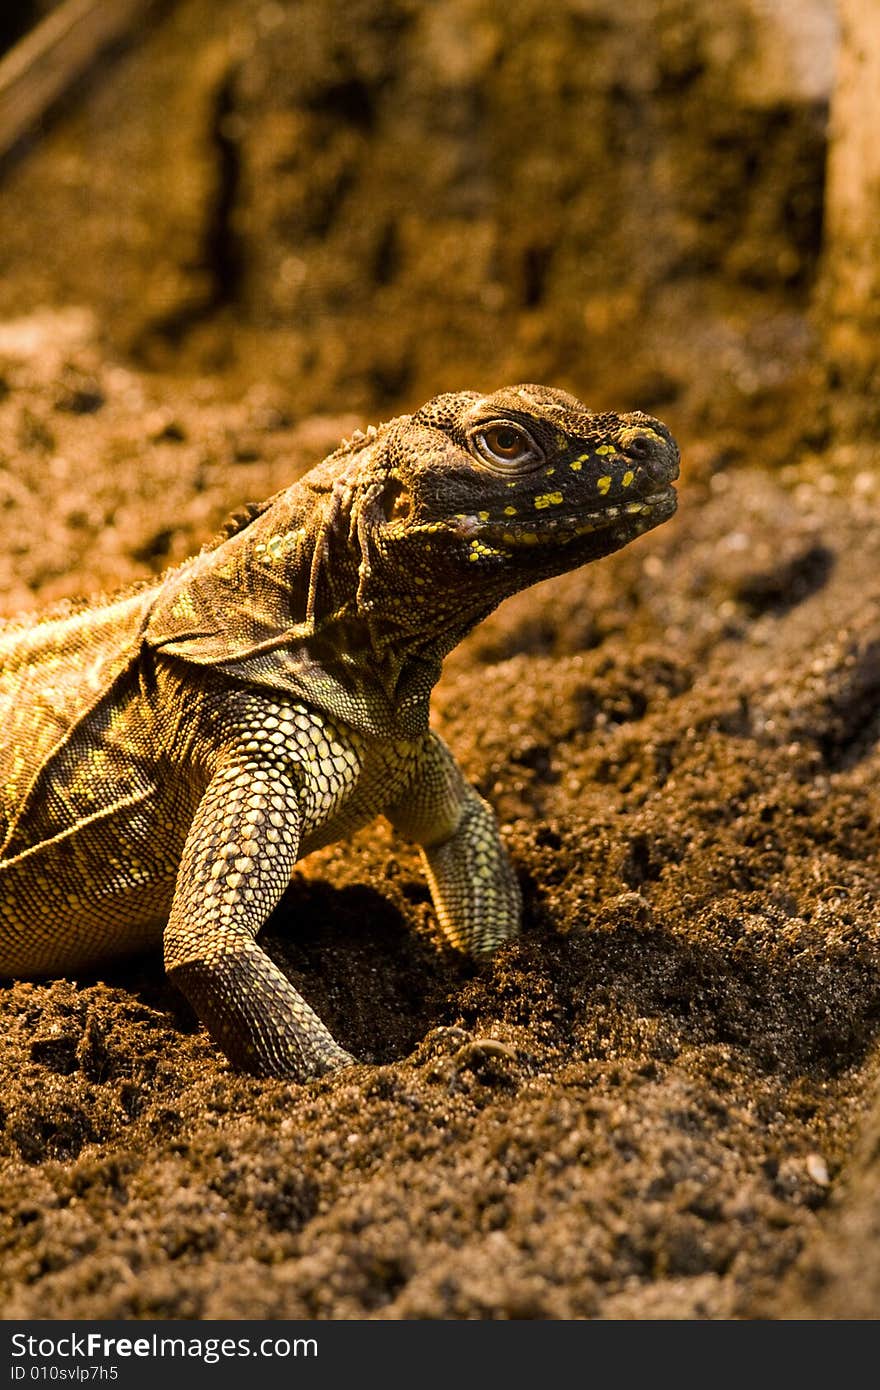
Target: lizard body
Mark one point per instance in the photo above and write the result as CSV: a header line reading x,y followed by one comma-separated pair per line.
x,y
168,755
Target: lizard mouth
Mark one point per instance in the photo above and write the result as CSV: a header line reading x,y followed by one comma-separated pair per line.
x,y
635,516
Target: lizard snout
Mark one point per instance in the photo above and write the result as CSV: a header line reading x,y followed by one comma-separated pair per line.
x,y
653,450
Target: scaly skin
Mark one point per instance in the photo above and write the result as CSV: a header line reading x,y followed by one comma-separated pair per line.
x,y
167,756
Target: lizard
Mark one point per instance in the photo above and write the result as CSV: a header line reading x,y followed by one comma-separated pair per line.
x,y
169,753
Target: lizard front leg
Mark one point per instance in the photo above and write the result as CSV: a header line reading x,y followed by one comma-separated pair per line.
x,y
475,892
240,850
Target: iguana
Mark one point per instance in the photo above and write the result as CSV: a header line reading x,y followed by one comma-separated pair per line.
x,y
167,755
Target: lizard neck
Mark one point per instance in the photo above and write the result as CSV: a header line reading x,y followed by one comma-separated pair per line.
x,y
287,604
307,600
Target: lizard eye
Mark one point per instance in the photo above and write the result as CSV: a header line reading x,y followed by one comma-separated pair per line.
x,y
506,445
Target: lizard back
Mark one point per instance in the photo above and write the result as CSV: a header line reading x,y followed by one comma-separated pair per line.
x,y
53,673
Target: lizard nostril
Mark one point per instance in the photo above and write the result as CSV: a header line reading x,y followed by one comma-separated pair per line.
x,y
640,447
656,457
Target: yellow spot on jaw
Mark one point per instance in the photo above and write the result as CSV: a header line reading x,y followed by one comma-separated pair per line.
x,y
606,449
478,549
576,465
510,511
627,477
548,499
483,516
603,484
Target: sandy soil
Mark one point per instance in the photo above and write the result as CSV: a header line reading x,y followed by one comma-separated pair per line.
x,y
641,1108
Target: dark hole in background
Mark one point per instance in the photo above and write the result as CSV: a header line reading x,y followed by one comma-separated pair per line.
x,y
18,16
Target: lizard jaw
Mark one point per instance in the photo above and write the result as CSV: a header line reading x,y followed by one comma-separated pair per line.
x,y
639,514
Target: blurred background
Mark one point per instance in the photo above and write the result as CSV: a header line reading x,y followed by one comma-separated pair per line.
x,y
370,200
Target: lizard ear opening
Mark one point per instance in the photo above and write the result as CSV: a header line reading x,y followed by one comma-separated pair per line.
x,y
396,502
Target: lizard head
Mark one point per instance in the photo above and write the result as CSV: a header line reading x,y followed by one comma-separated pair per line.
x,y
523,483
351,585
